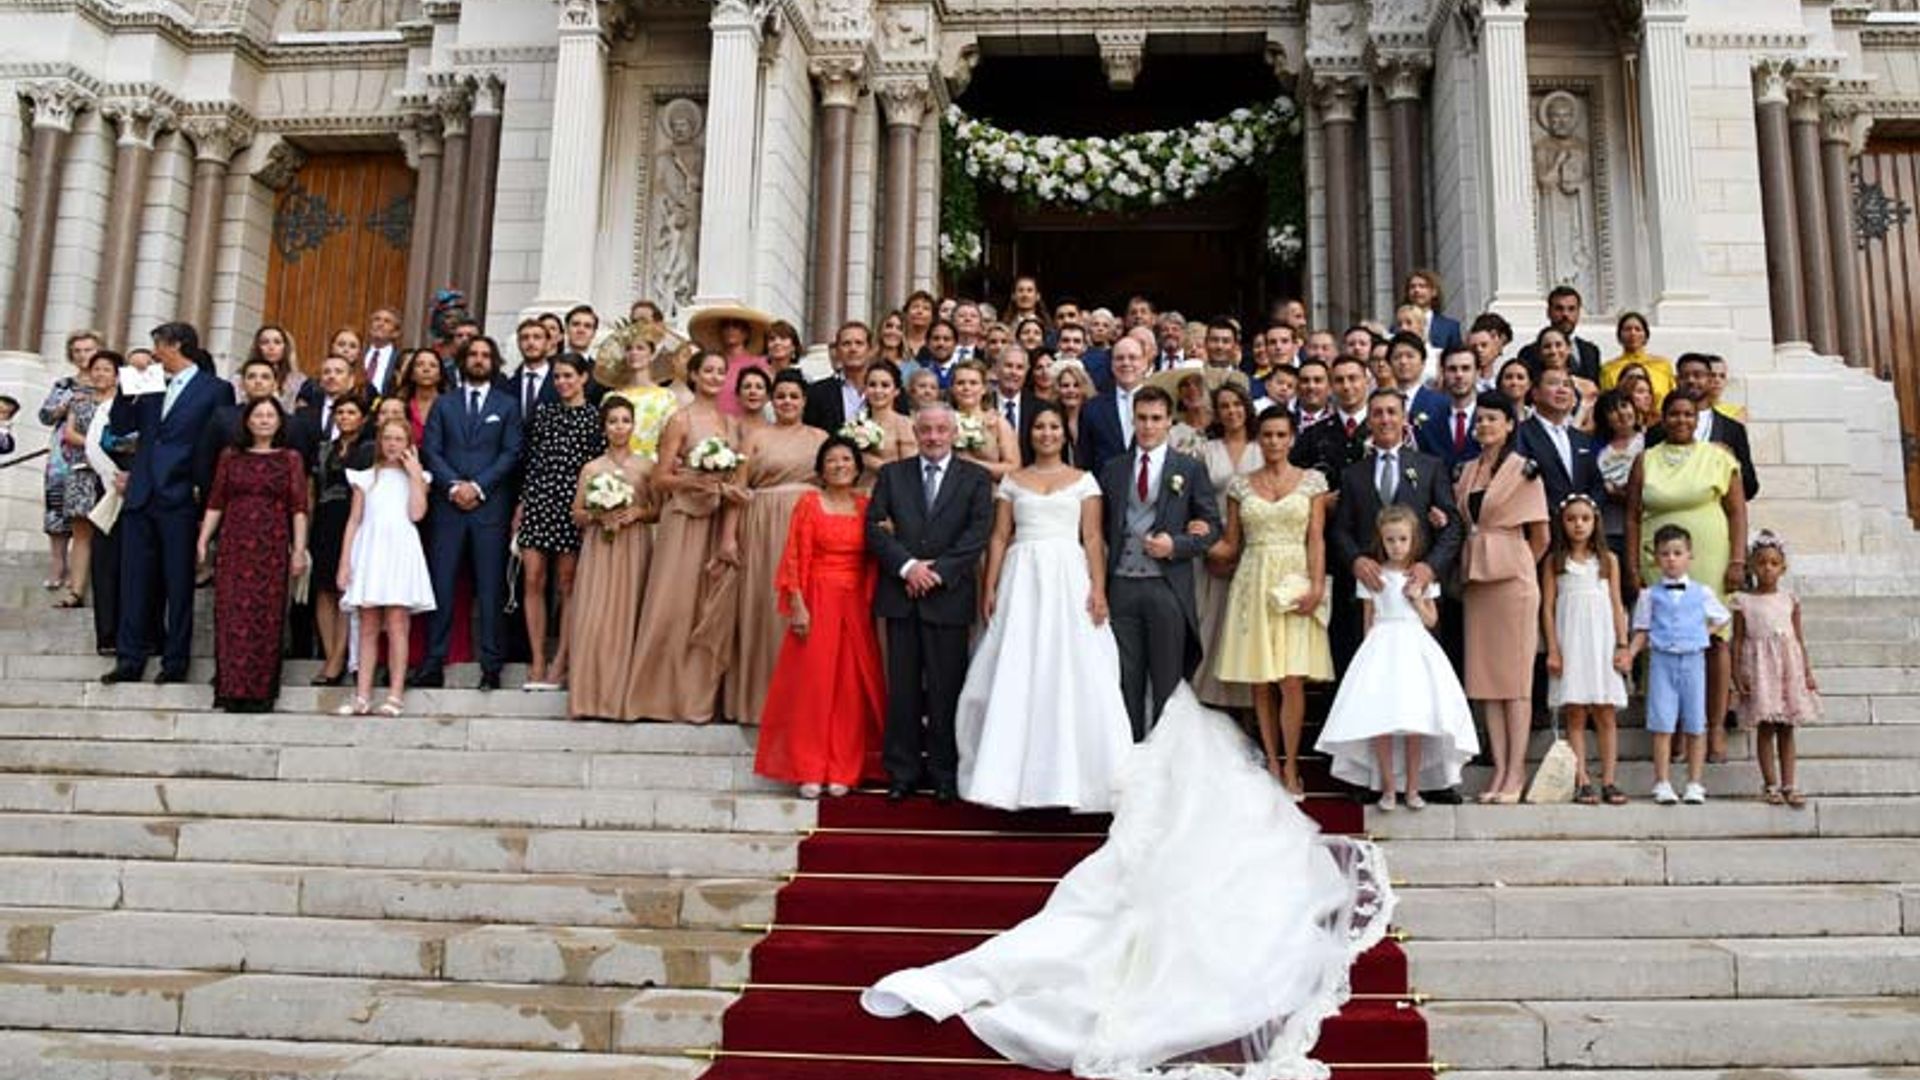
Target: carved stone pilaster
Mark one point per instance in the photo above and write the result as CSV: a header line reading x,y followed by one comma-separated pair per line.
x,y
1122,52
57,102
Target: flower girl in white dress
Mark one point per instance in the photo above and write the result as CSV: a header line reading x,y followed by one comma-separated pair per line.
x,y
383,572
1400,709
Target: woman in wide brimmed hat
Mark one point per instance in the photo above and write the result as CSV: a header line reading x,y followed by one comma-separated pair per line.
x,y
629,363
737,333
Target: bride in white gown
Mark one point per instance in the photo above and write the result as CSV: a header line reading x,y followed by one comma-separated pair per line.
x,y
1208,938
1041,721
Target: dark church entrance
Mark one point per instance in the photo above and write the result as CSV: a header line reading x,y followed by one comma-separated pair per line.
x,y
1202,257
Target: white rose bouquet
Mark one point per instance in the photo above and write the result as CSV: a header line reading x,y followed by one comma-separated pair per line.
x,y
713,455
609,491
971,434
865,433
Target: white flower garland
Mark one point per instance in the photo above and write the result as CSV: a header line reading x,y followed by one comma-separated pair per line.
x,y
1143,168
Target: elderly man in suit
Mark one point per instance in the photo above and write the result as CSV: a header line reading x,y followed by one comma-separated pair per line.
x,y
1152,494
160,517
472,450
927,525
1106,422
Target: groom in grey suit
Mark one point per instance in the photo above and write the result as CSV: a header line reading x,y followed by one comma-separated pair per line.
x,y
1151,494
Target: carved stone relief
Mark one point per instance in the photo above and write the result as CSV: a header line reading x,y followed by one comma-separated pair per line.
x,y
678,160
1566,177
344,16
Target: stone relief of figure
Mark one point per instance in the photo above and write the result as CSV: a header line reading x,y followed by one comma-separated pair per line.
x,y
1563,183
678,161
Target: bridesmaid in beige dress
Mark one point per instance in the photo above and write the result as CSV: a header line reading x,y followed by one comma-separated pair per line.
x,y
1000,454
682,652
1230,451
615,548
780,459
883,390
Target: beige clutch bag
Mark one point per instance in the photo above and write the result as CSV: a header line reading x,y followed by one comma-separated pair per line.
x,y
1286,593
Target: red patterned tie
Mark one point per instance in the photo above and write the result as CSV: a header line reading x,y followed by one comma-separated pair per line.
x,y
1459,431
1350,425
1140,484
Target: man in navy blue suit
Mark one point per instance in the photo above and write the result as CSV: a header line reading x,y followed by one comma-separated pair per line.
x,y
160,518
1407,355
1448,431
1106,424
472,448
1569,461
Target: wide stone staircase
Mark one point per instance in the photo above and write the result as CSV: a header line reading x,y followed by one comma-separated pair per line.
x,y
485,890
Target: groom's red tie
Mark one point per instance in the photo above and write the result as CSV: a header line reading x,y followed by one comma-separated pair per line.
x,y
1140,484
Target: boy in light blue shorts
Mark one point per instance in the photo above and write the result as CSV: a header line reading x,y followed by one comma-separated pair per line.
x,y
1675,618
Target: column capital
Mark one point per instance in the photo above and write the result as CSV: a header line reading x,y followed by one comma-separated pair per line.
x,y
1804,95
57,102
138,119
1844,119
1663,12
1122,53
453,103
1337,94
1500,11
905,100
738,16
489,89
839,78
1771,76
420,137
1402,75
217,136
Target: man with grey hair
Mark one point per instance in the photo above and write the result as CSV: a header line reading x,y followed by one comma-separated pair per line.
x,y
1106,422
1011,397
1171,329
927,526
1102,327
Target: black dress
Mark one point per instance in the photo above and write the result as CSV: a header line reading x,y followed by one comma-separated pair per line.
x,y
258,496
333,505
560,440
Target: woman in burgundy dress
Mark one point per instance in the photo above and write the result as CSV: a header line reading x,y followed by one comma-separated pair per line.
x,y
260,496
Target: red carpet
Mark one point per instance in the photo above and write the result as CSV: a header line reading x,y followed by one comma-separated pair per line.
x,y
884,886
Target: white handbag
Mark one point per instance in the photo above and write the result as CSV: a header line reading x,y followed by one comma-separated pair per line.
x,y
1553,780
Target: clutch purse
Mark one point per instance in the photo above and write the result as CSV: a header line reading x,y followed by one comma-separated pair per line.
x,y
1286,593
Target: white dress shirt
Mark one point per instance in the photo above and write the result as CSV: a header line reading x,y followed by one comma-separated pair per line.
x,y
945,465
378,366
530,395
176,385
1562,445
1123,400
1156,467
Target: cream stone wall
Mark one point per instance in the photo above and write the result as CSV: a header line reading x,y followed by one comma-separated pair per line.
x,y
784,192
161,251
1454,190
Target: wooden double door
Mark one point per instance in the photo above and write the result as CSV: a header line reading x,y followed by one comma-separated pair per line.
x,y
1886,210
341,235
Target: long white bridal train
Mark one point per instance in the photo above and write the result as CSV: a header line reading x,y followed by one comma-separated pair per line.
x,y
1209,936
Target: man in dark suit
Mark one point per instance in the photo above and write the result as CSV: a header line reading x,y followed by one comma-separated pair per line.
x,y
1074,344
1563,314
1011,398
1448,432
384,357
1694,374
834,400
1106,422
928,522
531,386
1152,494
312,422
1340,439
1569,461
1407,356
160,518
472,448
1395,473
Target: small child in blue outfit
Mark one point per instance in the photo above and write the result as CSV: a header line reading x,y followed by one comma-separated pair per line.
x,y
1674,617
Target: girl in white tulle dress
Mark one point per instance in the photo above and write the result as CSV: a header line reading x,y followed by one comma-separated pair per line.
x,y
1401,716
383,573
1584,625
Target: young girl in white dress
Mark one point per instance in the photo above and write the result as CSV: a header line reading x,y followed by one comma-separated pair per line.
x,y
1584,625
1400,716
384,573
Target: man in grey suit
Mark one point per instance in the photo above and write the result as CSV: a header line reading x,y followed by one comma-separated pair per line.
x,y
1152,493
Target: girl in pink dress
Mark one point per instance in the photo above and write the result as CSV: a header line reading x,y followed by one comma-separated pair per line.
x,y
1773,682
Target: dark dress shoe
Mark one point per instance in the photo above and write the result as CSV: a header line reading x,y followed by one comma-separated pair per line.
x,y
489,680
426,679
946,794
166,677
897,792
323,679
120,675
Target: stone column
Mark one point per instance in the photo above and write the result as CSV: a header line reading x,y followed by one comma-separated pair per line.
x,y
444,264
905,105
1678,278
422,142
575,161
1509,161
1405,76
139,121
838,78
56,102
1336,96
726,201
483,174
1810,204
216,138
1837,117
1776,201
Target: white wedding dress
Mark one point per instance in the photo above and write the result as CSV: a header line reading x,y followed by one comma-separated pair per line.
x,y
1041,721
1215,922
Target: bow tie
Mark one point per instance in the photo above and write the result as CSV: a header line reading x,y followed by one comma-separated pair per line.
x,y
1674,586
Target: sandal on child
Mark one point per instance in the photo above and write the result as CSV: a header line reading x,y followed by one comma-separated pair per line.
x,y
1773,796
70,600
1793,798
1612,795
393,706
1586,795
357,707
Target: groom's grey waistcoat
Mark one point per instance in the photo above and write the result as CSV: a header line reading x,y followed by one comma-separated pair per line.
x,y
1134,561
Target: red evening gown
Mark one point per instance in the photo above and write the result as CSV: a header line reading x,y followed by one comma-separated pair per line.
x,y
827,702
257,495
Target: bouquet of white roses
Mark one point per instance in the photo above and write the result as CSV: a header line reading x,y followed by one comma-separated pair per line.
x,y
971,435
609,491
865,433
714,455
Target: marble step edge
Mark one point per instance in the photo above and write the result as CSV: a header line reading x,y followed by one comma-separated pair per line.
x,y
1577,969
1489,913
1724,818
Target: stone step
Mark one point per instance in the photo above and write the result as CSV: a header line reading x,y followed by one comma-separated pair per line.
x,y
60,1055
401,847
1825,740
319,701
1880,1073
83,665
1782,861
388,949
302,1008
446,804
1675,1034
615,900
1483,914
1891,816
1548,969
1741,779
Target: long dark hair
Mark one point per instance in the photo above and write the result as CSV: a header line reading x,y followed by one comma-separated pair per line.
x,y
1217,430
243,438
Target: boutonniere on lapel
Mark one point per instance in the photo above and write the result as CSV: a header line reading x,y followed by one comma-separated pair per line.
x,y
1177,483
1419,419
1529,468
1412,473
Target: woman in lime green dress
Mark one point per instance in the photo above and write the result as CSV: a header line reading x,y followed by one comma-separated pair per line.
x,y
1685,481
652,404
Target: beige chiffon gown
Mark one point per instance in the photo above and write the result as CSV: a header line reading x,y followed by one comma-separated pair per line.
x,y
1210,593
779,471
605,610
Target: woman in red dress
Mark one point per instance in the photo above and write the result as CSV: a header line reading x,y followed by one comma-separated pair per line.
x,y
827,702
260,497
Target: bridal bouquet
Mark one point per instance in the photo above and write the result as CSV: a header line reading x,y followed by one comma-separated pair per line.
x,y
865,433
712,454
972,434
609,491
